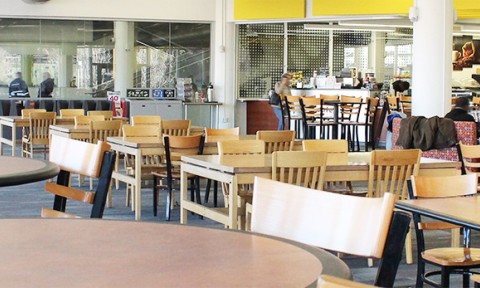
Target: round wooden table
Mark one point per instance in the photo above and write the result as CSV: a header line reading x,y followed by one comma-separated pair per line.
x,y
102,253
16,170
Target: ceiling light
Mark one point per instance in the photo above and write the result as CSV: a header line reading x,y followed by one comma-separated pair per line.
x,y
395,23
345,28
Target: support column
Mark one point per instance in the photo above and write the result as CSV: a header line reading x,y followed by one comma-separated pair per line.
x,y
124,56
431,63
376,57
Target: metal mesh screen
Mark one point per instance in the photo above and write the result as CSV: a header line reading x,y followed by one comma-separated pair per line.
x,y
349,49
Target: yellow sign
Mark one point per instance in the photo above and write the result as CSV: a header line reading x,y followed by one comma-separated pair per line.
x,y
355,7
467,8
269,9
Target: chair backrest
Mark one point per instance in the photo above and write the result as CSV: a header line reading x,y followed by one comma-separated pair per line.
x,y
393,103
216,135
176,127
327,281
39,128
71,113
146,132
300,168
81,120
277,140
470,157
310,107
444,186
26,112
292,104
371,109
107,114
146,120
352,109
241,147
77,156
100,130
329,97
178,146
389,171
337,150
310,216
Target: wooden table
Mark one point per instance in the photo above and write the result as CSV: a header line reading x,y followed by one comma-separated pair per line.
x,y
16,171
242,169
100,253
14,122
462,211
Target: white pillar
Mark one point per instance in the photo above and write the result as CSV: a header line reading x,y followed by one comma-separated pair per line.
x,y
377,56
431,63
124,56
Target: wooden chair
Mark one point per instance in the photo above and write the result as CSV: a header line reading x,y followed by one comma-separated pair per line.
x,y
476,280
176,127
151,158
451,259
146,120
314,114
475,103
71,113
294,113
337,154
366,227
469,155
26,112
277,140
327,281
371,114
240,147
213,135
175,147
406,103
389,172
94,160
301,168
82,120
36,137
349,120
107,114
393,103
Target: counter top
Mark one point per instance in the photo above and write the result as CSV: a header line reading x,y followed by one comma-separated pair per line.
x,y
202,103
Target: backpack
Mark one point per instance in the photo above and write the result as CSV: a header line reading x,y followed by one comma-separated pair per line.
x,y
274,98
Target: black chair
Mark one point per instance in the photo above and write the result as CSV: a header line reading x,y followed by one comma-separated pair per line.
x,y
5,107
175,147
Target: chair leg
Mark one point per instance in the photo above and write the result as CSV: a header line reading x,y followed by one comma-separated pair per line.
x,y
215,193
192,189
197,190
420,273
207,190
408,248
445,277
455,241
168,204
466,278
155,195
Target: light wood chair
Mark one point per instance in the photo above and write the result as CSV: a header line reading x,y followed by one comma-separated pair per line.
x,y
293,112
389,172
26,112
36,136
71,113
146,120
81,120
393,103
406,103
301,168
94,160
213,135
371,114
240,147
151,159
107,114
327,281
175,148
367,227
475,103
337,154
316,114
470,157
451,259
277,140
476,280
176,127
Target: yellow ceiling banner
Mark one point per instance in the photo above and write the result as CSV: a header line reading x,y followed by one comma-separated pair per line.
x,y
467,8
355,7
268,9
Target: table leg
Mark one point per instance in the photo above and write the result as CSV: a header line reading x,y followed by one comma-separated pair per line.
x,y
232,204
183,195
1,138
138,185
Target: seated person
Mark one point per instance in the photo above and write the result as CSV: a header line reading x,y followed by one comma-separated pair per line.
x,y
460,112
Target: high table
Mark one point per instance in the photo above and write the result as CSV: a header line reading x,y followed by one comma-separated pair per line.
x,y
16,171
242,169
13,122
462,211
100,253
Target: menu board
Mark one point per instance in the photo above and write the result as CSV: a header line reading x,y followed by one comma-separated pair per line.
x,y
138,93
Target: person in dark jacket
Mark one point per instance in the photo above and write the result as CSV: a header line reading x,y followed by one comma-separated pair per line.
x,y
460,112
46,87
18,87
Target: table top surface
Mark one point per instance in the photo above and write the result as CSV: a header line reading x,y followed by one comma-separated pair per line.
x,y
16,170
263,163
93,253
463,211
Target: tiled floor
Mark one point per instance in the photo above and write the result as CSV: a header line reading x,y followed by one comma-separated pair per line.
x,y
26,201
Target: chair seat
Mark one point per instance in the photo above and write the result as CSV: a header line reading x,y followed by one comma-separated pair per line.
x,y
475,278
453,256
50,213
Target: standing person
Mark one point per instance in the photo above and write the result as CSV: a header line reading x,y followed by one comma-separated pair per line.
x,y
46,87
18,87
281,88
